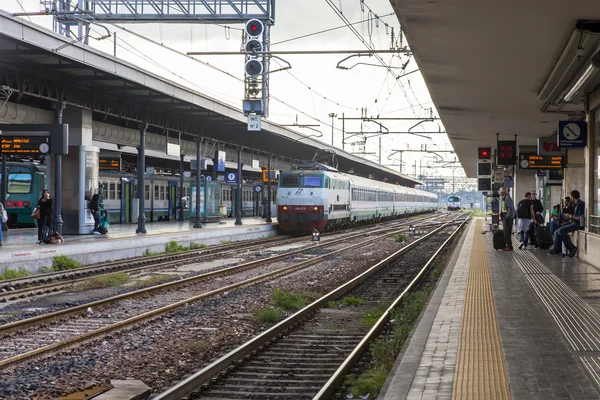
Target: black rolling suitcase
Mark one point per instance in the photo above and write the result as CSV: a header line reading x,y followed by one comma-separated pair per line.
x,y
498,239
542,236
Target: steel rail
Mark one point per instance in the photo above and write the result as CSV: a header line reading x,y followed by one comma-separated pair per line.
x,y
189,258
208,374
328,390
65,344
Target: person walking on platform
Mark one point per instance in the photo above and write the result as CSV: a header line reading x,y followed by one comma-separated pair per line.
x,y
576,221
95,210
3,219
44,210
524,218
507,214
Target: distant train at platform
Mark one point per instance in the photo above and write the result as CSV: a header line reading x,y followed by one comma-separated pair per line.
x,y
453,202
27,180
319,197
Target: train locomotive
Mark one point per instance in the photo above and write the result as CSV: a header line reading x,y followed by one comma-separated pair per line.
x,y
319,197
453,203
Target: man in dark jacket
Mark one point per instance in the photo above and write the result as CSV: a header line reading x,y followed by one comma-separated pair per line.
x,y
538,218
507,214
95,210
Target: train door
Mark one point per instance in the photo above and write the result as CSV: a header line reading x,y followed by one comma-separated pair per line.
x,y
126,201
172,200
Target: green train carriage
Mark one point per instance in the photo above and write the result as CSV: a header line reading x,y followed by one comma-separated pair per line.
x,y
24,188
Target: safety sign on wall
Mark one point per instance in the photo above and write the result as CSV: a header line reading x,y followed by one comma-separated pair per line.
x,y
231,177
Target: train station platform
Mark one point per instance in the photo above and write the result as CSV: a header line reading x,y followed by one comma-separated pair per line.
x,y
504,325
19,249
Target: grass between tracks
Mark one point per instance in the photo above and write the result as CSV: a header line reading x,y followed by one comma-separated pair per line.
x,y
282,301
174,247
385,349
103,281
13,273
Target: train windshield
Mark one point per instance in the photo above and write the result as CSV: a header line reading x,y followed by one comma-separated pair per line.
x,y
290,181
19,183
312,181
453,199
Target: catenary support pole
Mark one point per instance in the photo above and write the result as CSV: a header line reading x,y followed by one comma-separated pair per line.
x,y
197,222
269,220
141,228
3,188
58,221
238,206
181,182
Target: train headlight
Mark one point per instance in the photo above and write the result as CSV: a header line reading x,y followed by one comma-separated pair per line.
x,y
285,208
316,208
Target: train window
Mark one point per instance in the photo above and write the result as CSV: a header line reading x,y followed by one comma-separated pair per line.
x,y
118,185
19,183
290,181
327,182
156,192
312,181
162,192
112,190
147,192
135,191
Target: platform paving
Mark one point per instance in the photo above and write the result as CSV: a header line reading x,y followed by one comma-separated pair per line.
x,y
547,310
20,251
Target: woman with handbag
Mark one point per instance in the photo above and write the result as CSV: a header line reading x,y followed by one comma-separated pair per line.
x,y
43,212
3,219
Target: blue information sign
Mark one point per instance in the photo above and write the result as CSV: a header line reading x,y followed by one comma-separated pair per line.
x,y
208,178
258,188
572,134
231,177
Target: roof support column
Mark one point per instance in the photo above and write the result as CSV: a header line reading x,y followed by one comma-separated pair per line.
x,y
238,205
141,228
269,220
3,189
58,221
197,222
181,171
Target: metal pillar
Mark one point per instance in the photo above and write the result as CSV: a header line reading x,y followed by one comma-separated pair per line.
x,y
379,150
238,206
197,222
141,182
181,171
58,221
3,188
269,220
343,131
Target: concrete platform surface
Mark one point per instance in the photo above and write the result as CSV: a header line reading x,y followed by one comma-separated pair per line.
x,y
128,389
547,312
20,251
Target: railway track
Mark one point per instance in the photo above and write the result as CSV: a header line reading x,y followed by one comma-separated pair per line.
x,y
309,354
46,333
28,287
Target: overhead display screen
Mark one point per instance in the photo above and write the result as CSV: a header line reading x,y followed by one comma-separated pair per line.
x,y
533,161
109,163
25,145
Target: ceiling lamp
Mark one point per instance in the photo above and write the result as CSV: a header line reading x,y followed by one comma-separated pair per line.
x,y
583,79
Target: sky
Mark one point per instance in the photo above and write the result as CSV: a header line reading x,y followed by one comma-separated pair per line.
x,y
313,88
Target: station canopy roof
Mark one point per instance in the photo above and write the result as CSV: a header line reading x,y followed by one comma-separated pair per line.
x,y
500,67
45,68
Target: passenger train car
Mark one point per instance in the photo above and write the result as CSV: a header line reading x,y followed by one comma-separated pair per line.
x,y
162,194
453,202
311,199
24,189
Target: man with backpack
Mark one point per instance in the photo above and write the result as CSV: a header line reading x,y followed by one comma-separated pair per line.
x,y
507,214
95,210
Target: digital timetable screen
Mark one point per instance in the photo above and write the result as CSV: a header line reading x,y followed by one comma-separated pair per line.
x,y
33,145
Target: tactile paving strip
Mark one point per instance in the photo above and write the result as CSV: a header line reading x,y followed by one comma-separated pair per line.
x,y
480,370
577,320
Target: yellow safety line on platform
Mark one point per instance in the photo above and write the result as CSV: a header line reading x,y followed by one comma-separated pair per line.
x,y
480,369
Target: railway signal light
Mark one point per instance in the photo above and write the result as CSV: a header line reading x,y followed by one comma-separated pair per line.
x,y
484,153
484,169
484,184
254,28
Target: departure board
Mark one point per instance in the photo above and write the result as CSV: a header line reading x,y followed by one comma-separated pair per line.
x,y
109,163
533,161
25,145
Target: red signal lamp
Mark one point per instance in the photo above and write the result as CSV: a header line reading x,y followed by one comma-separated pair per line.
x,y
485,153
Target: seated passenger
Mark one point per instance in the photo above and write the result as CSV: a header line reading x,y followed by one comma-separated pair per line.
x,y
554,218
576,222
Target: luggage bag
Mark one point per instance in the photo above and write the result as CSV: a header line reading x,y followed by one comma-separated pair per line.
x,y
498,239
542,236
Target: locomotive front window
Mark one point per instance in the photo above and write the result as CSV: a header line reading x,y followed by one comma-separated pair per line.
x,y
312,181
290,181
19,183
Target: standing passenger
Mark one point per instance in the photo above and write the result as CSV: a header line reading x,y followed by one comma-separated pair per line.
x,y
507,214
525,218
95,210
3,219
44,206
